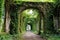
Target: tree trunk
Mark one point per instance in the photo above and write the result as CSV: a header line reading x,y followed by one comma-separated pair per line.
x,y
7,17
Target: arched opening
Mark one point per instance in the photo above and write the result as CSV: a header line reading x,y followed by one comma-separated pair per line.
x,y
30,20
44,23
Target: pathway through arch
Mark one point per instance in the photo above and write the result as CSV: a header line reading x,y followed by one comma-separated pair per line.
x,y
31,36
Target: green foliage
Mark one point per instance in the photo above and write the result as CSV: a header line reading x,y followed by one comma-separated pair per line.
x,y
30,16
14,22
48,18
53,37
5,37
1,13
9,37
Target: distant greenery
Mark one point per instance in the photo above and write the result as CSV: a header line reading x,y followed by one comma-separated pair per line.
x,y
29,16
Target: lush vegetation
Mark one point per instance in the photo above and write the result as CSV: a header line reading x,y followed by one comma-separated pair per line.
x,y
1,13
53,37
9,37
31,16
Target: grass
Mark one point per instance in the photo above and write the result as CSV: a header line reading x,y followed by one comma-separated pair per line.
x,y
5,37
53,37
9,37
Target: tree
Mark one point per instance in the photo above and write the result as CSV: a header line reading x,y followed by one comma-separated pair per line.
x,y
1,14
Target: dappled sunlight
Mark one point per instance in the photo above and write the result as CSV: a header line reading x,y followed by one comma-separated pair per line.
x,y
31,13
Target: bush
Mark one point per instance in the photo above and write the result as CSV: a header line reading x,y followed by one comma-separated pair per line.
x,y
53,37
9,37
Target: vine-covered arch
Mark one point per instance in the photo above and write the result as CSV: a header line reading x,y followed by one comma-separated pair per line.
x,y
24,7
44,10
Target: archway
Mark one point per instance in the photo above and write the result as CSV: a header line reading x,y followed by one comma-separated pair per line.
x,y
17,9
31,17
